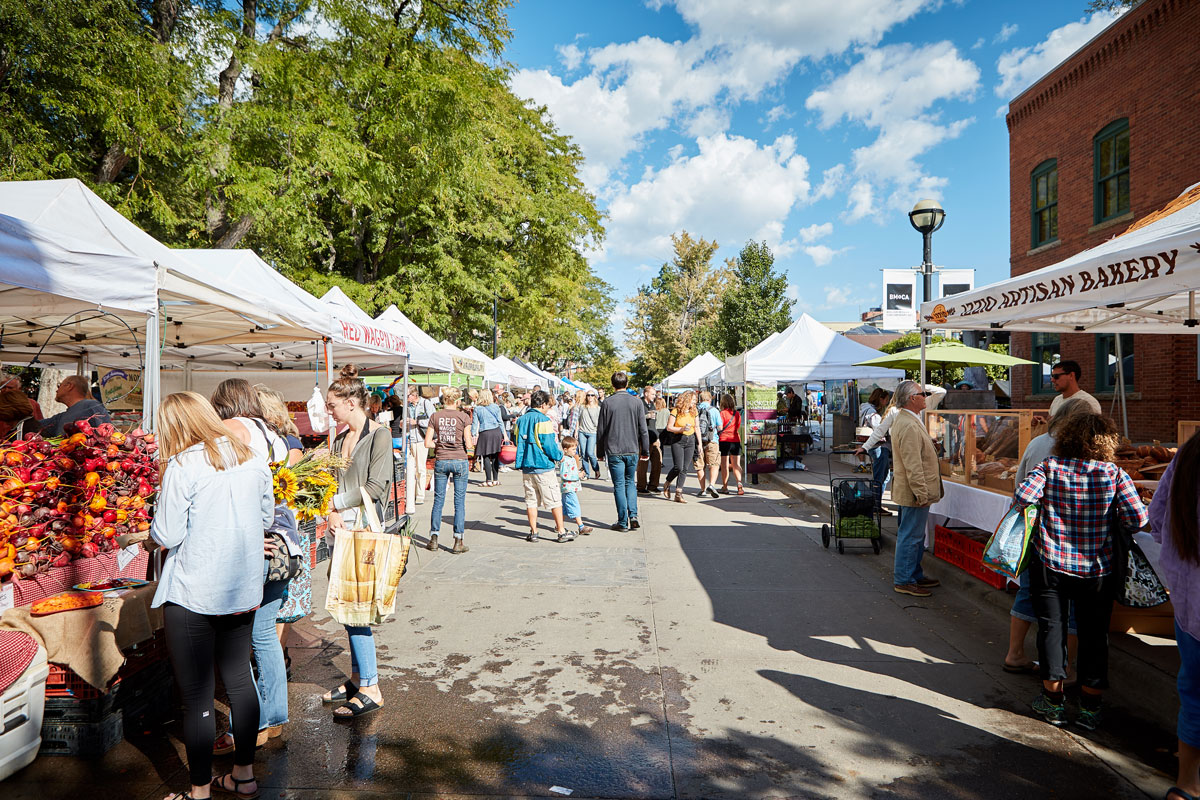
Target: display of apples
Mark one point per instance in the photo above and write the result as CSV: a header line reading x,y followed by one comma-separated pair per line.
x,y
69,498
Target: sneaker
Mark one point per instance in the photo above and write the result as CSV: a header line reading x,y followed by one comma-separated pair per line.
x,y
928,583
531,536
1047,709
459,546
702,493
584,530
432,543
634,524
1089,718
564,536
912,589
616,526
713,492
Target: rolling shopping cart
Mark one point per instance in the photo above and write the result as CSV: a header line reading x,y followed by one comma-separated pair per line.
x,y
853,512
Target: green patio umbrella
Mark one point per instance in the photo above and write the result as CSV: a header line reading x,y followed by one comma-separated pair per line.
x,y
944,354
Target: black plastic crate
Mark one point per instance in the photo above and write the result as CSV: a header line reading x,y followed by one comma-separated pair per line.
x,y
148,681
82,738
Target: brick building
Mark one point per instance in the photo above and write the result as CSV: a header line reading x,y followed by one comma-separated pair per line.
x,y
1107,137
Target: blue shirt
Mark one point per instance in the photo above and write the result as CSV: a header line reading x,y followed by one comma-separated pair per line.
x,y
537,447
212,523
485,418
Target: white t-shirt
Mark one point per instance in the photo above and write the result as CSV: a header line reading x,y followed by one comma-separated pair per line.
x,y
1092,402
271,444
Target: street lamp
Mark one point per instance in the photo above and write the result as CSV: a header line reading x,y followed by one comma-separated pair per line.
x,y
926,217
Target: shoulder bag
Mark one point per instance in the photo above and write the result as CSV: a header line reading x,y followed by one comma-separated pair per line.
x,y
1137,584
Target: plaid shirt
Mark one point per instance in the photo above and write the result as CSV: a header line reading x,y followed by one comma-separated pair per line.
x,y
1073,526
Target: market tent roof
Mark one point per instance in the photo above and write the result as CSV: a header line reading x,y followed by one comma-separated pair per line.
x,y
804,351
492,372
551,381
517,373
464,364
941,354
1142,281
423,350
692,373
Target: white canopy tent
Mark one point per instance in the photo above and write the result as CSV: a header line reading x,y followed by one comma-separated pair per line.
x,y
195,312
423,349
804,351
691,374
550,381
493,373
517,374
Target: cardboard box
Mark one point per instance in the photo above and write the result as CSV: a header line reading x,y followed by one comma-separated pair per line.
x,y
1157,621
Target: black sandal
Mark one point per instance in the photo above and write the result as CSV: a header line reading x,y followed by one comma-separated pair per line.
x,y
219,785
181,796
341,694
366,705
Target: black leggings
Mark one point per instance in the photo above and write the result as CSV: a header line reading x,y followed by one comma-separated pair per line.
x,y
193,641
683,453
491,467
1053,593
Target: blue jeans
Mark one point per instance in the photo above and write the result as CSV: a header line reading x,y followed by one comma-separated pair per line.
x,y
622,469
571,509
1188,684
587,452
442,471
362,654
272,681
881,463
910,545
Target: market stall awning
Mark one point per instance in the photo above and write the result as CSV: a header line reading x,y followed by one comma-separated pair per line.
x,y
518,375
492,372
944,354
1142,281
692,373
550,381
804,351
424,352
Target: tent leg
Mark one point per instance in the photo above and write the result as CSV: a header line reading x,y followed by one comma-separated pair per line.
x,y
328,383
151,378
1121,386
921,378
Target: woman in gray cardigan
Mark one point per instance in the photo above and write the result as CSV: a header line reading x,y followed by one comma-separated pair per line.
x,y
369,448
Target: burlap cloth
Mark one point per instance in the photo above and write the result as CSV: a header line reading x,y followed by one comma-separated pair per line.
x,y
90,640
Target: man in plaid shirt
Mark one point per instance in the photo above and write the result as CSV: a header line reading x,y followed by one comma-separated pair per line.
x,y
1082,496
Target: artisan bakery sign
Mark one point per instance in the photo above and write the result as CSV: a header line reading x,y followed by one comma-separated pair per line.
x,y
1132,270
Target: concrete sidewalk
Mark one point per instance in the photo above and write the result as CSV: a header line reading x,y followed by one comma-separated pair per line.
x,y
719,651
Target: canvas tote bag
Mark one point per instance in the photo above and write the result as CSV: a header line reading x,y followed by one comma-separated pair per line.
x,y
365,570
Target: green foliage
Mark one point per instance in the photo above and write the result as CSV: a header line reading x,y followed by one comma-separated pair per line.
x,y
949,375
365,144
753,307
671,319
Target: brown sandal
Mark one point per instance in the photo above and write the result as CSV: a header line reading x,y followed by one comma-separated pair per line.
x,y
679,497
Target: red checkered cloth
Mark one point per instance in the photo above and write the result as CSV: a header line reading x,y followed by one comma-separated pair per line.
x,y
62,579
17,650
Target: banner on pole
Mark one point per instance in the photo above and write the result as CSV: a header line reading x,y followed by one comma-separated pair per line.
x,y
899,299
956,281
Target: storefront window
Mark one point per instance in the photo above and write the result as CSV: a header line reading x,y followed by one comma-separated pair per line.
x,y
1112,171
1106,361
1045,354
1045,203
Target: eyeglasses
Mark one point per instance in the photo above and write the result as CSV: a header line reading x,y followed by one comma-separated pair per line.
x,y
922,394
1056,375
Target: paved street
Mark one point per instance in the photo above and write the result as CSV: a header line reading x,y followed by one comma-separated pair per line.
x,y
719,652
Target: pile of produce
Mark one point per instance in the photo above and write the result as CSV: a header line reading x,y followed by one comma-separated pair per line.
x,y
69,498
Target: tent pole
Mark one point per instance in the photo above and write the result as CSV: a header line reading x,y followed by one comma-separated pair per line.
x,y
410,488
1121,386
151,377
921,378
328,383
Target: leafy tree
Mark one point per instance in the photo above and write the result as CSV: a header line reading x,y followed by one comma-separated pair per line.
x,y
947,376
684,298
754,306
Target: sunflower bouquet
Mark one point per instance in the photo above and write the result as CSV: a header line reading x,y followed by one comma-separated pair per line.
x,y
308,486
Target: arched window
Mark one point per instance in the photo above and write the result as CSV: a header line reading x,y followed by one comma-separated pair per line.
x,y
1112,171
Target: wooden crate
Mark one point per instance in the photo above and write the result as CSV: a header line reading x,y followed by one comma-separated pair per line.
x,y
1185,429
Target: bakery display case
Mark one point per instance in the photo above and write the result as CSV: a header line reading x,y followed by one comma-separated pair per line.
x,y
982,447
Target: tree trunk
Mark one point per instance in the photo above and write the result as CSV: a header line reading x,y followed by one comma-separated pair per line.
x,y
215,211
234,234
163,15
111,164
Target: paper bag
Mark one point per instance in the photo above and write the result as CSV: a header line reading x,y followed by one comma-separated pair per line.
x,y
365,571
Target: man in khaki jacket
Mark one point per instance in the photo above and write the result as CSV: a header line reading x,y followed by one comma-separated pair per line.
x,y
916,486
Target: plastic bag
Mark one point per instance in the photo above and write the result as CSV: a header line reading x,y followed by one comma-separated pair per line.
x,y
318,417
1007,552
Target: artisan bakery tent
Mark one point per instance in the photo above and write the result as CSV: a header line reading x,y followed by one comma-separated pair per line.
x,y
692,373
804,351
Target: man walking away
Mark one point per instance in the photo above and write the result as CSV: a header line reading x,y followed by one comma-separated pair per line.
x,y
654,464
622,435
916,485
708,458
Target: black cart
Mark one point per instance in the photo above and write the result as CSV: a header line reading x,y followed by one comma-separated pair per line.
x,y
853,512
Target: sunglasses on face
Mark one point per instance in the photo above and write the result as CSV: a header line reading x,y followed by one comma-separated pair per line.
x,y
1056,375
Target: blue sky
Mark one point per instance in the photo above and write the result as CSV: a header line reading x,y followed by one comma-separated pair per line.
x,y
812,124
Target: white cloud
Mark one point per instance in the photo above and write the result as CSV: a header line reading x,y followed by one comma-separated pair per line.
x,y
792,292
815,231
1022,67
980,42
777,113
571,56
837,295
731,186
861,202
1005,33
823,254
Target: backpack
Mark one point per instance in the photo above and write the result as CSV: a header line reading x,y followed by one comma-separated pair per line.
x,y
706,425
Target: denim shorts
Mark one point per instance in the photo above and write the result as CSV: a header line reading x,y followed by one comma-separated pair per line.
x,y
1188,684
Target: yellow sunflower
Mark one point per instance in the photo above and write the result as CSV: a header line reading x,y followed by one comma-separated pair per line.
x,y
286,485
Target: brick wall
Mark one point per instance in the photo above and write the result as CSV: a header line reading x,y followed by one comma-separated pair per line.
x,y
1146,68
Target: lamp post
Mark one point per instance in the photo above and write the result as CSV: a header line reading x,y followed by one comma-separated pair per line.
x,y
926,218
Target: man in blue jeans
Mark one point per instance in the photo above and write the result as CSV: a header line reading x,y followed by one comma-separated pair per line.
x,y
622,435
916,485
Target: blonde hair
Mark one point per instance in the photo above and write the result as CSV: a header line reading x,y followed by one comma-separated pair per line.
x,y
450,396
685,403
580,397
186,419
486,398
275,411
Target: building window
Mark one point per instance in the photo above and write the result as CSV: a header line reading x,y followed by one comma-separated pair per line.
x,y
1112,171
1045,354
1045,202
1106,361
